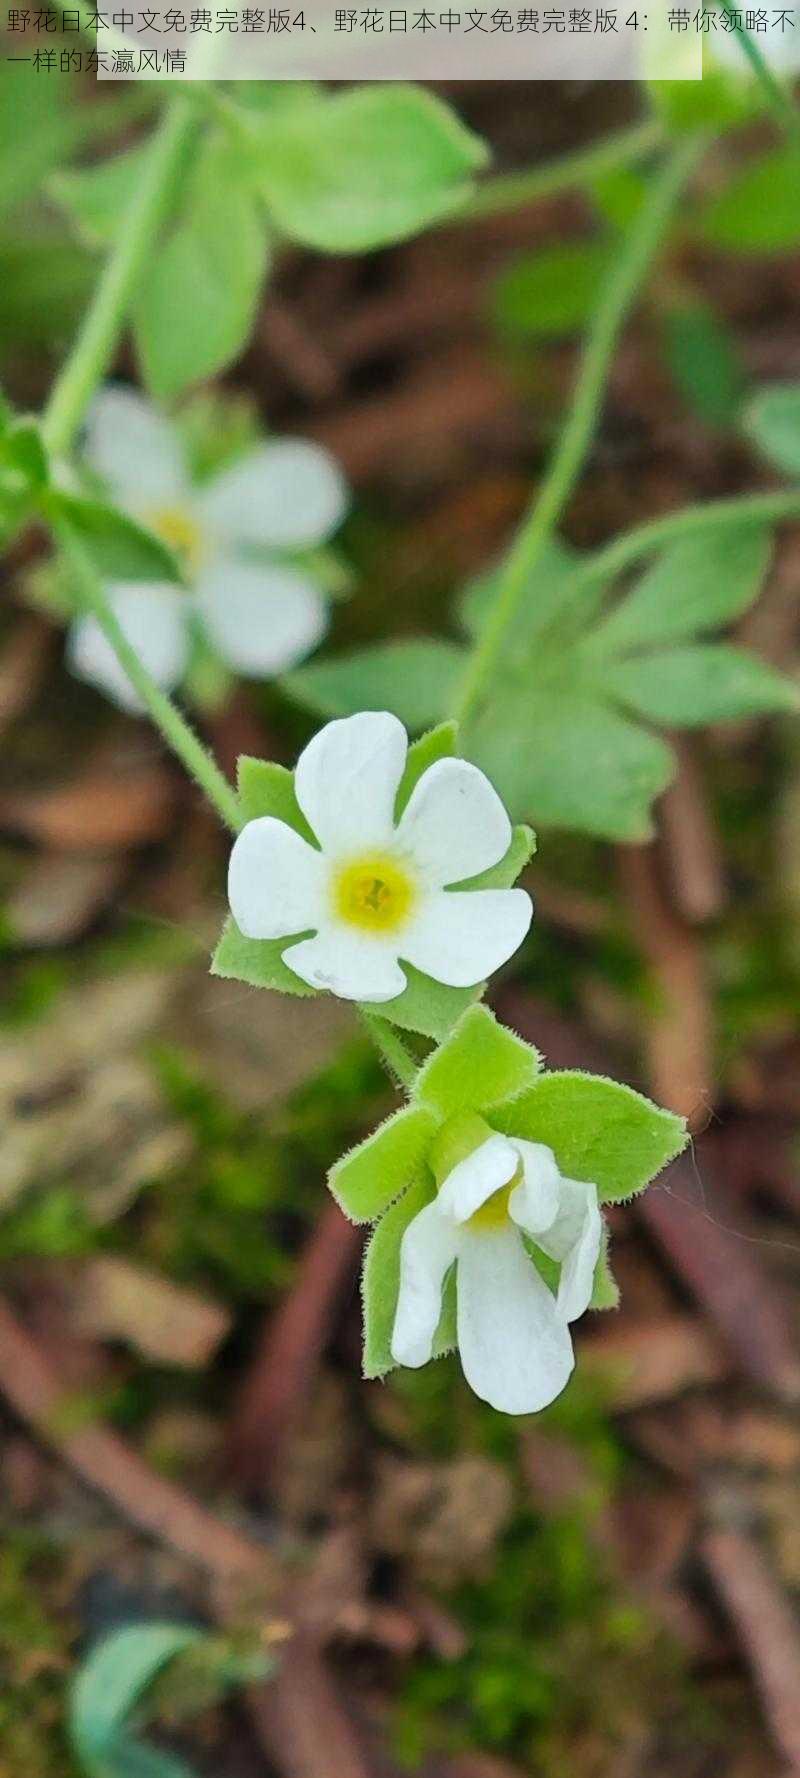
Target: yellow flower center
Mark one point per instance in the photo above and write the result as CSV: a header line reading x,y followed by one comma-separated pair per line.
x,y
494,1213
179,530
373,893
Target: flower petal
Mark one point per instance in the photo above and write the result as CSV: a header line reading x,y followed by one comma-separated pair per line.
x,y
476,1178
460,936
514,1345
574,1238
261,620
534,1202
153,617
350,964
287,494
275,881
134,449
454,824
346,780
427,1252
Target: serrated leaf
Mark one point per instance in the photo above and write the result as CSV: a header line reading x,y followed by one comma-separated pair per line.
x,y
599,1130
268,789
772,421
415,680
365,167
196,308
564,757
552,292
106,1691
438,743
702,356
479,1065
380,1279
257,961
696,585
368,1179
120,548
709,682
758,211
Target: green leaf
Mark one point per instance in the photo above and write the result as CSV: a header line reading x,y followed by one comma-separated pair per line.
x,y
772,421
366,167
268,789
120,548
109,1686
552,292
554,609
414,680
257,961
599,1131
427,1006
719,101
438,743
618,194
504,874
605,1289
368,1179
696,585
709,682
380,1280
196,310
563,756
479,1065
758,211
97,198
702,356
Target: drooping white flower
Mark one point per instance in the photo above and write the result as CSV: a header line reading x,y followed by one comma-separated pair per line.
x,y
261,616
378,890
513,1332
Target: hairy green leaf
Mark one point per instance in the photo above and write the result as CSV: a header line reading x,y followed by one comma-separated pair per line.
x,y
257,961
599,1130
438,743
368,1179
380,1280
268,789
480,1065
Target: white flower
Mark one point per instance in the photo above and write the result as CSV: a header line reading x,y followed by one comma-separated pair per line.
x,y
513,1333
261,617
377,891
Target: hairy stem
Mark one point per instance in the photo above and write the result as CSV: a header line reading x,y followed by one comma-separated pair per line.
x,y
94,347
399,1061
508,191
91,595
631,265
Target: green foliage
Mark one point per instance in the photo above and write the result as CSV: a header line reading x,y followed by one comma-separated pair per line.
x,y
758,210
480,1065
772,421
368,1179
96,197
702,357
365,167
706,683
552,292
106,1691
599,1130
196,308
414,679
695,585
380,1281
120,548
437,743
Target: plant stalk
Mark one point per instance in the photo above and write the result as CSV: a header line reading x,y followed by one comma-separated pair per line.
x,y
508,191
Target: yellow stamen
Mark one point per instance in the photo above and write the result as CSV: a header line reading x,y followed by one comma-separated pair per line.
x,y
180,532
373,893
494,1213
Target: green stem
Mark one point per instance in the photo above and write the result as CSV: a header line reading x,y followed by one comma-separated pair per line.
x,y
400,1063
633,261
510,190
91,595
612,559
94,348
776,95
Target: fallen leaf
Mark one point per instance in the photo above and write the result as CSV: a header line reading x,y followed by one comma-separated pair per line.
x,y
165,1322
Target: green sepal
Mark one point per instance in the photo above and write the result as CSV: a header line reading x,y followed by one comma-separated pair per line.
x,y
257,961
598,1129
380,1283
370,1177
480,1064
268,789
605,1289
437,743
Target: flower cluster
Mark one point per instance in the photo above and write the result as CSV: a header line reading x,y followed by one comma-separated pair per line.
x,y
372,873
238,537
